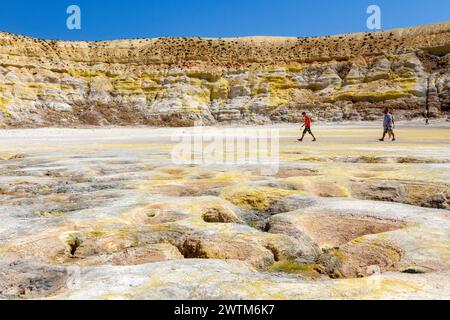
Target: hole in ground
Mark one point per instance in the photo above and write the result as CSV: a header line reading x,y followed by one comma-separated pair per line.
x,y
219,214
332,231
347,253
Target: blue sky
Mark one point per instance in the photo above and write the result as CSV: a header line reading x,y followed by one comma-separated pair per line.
x,y
113,19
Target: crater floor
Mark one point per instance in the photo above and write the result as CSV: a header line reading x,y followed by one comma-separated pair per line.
x,y
106,214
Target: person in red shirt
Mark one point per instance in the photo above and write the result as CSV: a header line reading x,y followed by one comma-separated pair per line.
x,y
307,126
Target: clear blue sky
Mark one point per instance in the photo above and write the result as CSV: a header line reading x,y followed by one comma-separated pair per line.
x,y
112,19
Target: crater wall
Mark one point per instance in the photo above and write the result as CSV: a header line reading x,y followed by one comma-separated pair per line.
x,y
178,81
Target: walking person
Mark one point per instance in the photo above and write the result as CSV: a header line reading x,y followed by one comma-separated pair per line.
x,y
388,125
392,133
307,126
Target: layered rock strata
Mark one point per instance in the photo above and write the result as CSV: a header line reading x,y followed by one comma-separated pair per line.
x,y
177,81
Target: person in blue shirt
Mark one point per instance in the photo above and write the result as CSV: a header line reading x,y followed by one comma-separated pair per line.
x,y
388,125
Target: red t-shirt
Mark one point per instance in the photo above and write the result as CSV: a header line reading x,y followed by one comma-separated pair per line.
x,y
307,122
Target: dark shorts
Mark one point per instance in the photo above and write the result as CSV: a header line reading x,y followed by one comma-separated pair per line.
x,y
307,130
388,129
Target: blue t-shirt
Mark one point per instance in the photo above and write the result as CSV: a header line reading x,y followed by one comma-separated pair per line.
x,y
388,121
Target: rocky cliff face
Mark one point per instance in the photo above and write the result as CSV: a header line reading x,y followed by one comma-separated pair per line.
x,y
176,81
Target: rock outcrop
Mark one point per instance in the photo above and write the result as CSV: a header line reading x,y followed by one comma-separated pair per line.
x,y
177,81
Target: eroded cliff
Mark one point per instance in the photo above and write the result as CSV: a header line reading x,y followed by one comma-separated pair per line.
x,y
176,81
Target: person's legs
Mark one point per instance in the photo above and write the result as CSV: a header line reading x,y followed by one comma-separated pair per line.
x,y
384,134
392,135
307,130
310,132
303,135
